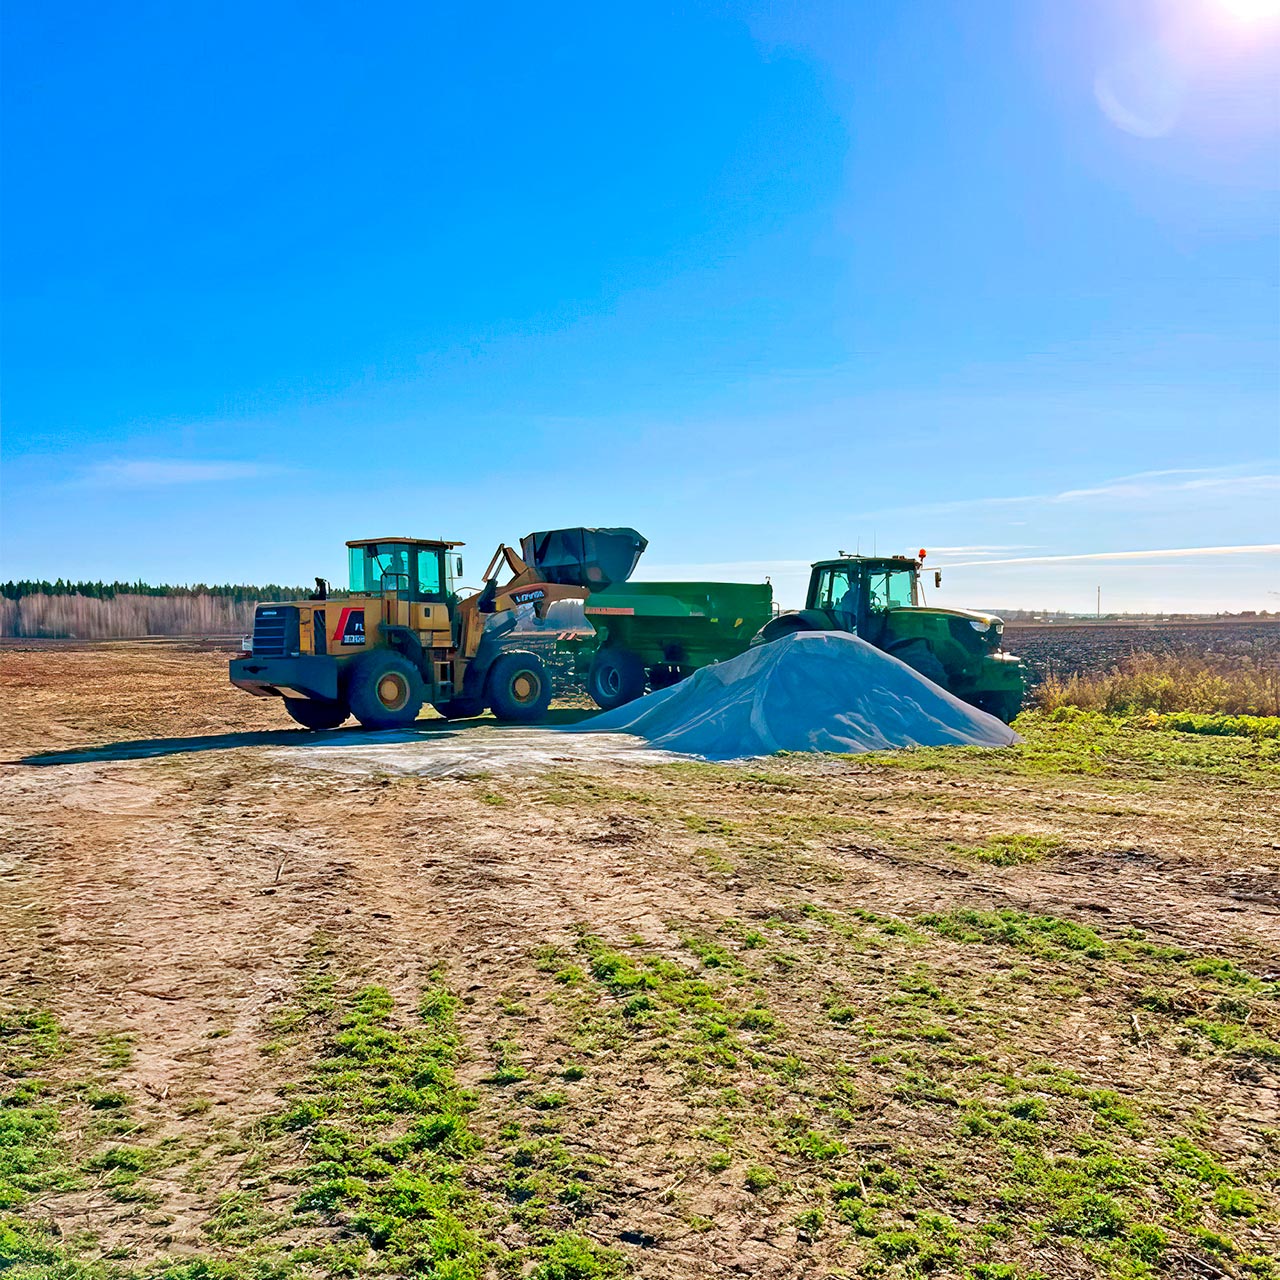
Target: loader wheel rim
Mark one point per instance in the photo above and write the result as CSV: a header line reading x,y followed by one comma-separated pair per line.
x,y
611,681
525,687
393,691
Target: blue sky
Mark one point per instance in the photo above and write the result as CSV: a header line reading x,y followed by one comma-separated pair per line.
x,y
767,282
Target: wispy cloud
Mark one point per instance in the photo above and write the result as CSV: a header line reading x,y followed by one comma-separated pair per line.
x,y
1173,553
1142,487
978,550
148,473
1156,484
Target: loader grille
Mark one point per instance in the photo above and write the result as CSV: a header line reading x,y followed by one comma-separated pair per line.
x,y
275,631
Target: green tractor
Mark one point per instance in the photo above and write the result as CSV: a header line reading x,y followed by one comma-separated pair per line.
x,y
878,599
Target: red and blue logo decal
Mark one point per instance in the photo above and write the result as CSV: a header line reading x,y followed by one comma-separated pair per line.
x,y
350,629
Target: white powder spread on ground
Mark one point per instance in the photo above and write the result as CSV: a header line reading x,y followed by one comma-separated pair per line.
x,y
813,691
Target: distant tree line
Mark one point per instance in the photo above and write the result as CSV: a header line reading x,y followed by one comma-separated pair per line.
x,y
240,593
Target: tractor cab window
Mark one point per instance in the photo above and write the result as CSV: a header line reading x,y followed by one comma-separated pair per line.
x,y
838,590
891,590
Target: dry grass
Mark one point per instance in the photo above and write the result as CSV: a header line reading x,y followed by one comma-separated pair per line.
x,y
125,616
1231,684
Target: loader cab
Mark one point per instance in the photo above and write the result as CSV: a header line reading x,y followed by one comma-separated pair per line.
x,y
858,591
413,569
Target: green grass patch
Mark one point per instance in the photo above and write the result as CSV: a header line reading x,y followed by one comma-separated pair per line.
x,y
1217,724
1010,850
1041,935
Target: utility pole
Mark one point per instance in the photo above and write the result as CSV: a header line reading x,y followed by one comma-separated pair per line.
x,y
1099,603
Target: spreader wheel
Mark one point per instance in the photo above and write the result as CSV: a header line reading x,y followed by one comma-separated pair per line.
x,y
616,676
665,676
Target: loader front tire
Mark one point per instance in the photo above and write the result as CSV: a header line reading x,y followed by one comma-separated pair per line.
x,y
386,691
519,687
317,713
616,676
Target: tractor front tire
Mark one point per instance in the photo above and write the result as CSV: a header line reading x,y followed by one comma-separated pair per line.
x,y
616,676
519,687
317,713
919,657
1004,706
386,691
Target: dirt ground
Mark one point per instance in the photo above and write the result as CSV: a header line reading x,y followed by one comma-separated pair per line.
x,y
894,1015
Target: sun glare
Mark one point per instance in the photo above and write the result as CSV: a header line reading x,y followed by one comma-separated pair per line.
x,y
1248,12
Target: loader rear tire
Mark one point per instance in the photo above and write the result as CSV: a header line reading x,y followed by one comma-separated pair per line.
x,y
386,691
519,687
317,713
616,676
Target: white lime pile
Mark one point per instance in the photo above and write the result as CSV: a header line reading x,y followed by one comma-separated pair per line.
x,y
813,691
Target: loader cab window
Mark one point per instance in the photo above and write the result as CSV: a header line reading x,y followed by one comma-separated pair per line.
x,y
891,590
373,562
415,573
429,574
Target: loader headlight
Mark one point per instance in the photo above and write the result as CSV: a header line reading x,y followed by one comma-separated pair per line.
x,y
246,644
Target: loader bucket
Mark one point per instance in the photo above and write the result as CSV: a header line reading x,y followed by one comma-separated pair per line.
x,y
591,558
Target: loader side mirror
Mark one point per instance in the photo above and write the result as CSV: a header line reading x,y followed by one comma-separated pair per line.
x,y
457,567
937,577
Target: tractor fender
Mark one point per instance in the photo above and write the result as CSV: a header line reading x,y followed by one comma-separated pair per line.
x,y
786,624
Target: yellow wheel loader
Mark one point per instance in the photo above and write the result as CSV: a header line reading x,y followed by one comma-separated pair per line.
x,y
401,636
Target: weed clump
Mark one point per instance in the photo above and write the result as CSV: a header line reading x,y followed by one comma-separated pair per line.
x,y
1212,685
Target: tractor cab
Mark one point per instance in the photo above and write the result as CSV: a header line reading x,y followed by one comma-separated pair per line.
x,y
860,590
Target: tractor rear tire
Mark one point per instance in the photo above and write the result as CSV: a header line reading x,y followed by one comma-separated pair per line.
x,y
785,624
616,676
386,691
317,713
519,686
